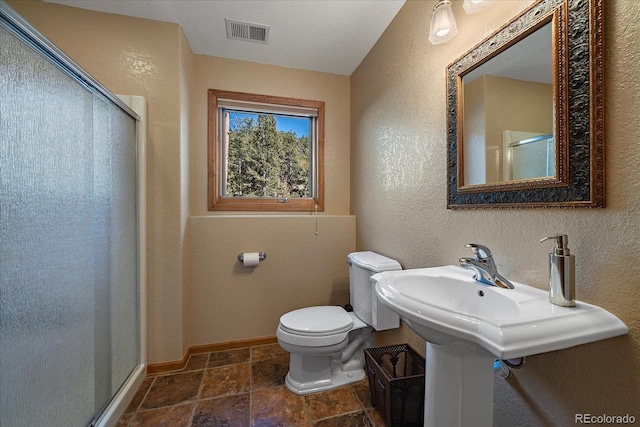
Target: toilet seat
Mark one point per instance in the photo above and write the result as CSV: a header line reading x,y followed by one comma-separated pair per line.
x,y
313,327
317,321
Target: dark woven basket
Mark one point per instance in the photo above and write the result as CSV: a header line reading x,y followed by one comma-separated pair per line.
x,y
396,381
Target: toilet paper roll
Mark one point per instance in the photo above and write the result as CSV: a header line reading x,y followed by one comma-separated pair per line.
x,y
250,259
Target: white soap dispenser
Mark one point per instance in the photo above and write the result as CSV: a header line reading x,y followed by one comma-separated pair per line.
x,y
562,273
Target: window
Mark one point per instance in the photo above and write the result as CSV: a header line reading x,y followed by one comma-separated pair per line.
x,y
265,153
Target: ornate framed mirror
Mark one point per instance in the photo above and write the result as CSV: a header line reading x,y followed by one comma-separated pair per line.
x,y
525,112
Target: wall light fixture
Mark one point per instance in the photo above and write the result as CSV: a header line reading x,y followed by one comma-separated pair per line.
x,y
475,6
443,21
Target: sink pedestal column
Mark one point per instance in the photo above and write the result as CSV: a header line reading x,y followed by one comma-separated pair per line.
x,y
458,386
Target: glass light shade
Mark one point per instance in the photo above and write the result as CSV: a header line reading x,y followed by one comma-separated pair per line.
x,y
475,6
443,23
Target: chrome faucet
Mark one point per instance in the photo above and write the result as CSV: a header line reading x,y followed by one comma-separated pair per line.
x,y
484,266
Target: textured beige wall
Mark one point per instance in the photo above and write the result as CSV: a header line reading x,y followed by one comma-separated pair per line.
x,y
398,165
228,302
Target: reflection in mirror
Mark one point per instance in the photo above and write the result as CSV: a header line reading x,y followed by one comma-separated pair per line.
x,y
528,157
525,119
508,100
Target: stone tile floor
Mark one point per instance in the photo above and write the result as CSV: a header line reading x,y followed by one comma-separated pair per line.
x,y
244,387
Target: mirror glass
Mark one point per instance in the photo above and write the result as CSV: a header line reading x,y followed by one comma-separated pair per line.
x,y
525,112
508,125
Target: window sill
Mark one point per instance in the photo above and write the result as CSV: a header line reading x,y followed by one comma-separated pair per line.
x,y
265,205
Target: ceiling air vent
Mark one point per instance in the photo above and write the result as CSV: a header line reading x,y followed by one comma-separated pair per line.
x,y
246,31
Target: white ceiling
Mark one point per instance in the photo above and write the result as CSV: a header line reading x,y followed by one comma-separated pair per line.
x,y
331,36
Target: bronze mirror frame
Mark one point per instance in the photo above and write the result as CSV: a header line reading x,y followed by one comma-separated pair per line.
x,y
578,68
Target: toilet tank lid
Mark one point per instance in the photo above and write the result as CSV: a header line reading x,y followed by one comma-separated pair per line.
x,y
374,261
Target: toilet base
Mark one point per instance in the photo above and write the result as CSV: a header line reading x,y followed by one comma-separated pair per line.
x,y
338,379
311,373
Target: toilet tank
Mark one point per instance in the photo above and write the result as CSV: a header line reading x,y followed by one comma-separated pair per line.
x,y
363,298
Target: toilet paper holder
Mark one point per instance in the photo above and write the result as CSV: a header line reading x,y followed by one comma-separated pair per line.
x,y
261,256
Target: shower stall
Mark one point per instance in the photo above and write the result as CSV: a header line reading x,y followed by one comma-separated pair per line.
x,y
72,253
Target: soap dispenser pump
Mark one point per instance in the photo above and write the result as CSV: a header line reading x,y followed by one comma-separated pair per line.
x,y
562,277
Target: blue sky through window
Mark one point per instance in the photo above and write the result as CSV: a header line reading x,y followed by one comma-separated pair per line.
x,y
299,125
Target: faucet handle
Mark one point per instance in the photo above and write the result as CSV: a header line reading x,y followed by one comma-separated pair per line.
x,y
480,251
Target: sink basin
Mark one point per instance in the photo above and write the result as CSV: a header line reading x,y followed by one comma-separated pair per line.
x,y
445,305
468,324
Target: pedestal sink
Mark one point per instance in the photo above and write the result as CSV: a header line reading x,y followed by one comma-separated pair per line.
x,y
467,325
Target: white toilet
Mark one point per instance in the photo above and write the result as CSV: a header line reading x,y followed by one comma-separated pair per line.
x,y
327,342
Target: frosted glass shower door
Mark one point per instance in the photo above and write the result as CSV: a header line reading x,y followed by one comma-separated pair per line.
x,y
114,235
68,257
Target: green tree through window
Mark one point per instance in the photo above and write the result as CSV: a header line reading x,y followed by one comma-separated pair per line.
x,y
263,161
266,153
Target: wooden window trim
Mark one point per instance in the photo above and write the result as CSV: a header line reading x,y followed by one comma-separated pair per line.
x,y
216,202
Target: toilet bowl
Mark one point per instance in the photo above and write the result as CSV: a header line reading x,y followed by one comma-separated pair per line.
x,y
326,343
